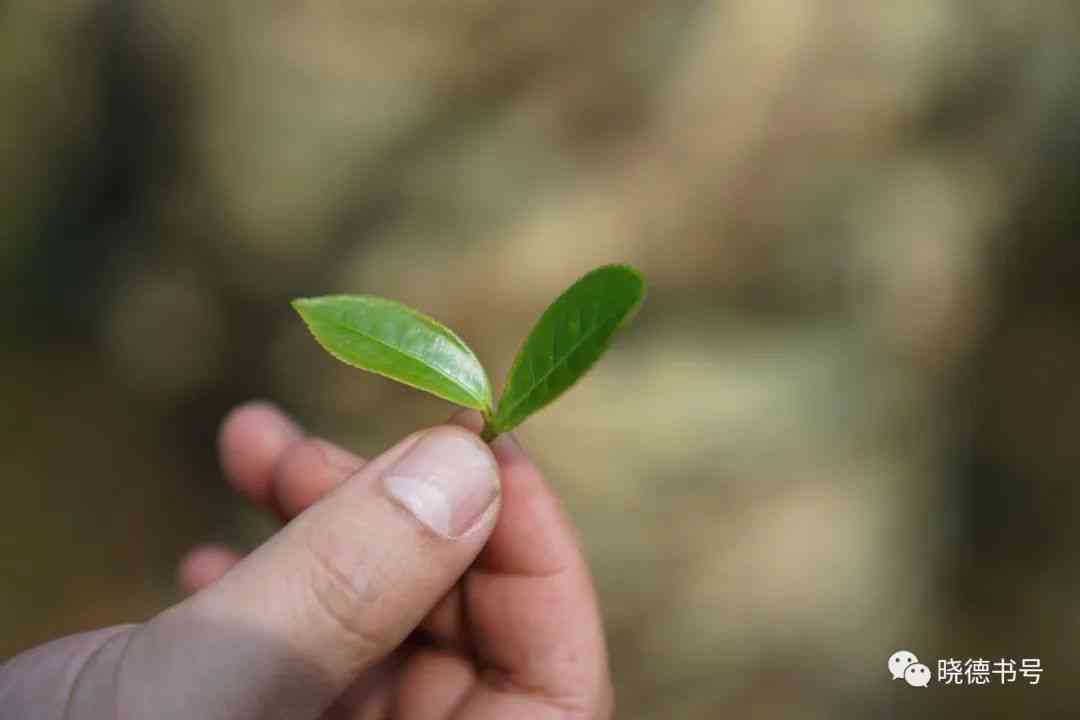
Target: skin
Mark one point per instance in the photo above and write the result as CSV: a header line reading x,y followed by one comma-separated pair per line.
x,y
354,610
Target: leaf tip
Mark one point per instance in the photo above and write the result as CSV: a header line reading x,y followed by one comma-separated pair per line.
x,y
635,277
637,284
633,272
305,307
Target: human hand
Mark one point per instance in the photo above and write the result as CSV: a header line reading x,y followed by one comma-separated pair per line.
x,y
410,586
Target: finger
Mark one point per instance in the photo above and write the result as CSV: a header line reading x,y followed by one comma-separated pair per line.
x,y
534,538
446,623
335,591
251,441
307,470
468,419
267,458
205,565
532,609
372,696
438,682
445,626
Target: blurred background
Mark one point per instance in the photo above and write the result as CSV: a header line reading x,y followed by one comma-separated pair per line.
x,y
846,421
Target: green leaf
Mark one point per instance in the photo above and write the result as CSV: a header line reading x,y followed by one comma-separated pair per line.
x,y
571,335
395,341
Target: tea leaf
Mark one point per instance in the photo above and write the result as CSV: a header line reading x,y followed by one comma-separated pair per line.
x,y
395,341
571,335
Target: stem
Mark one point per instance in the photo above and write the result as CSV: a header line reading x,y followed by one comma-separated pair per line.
x,y
488,433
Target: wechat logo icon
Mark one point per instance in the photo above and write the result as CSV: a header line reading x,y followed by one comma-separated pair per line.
x,y
903,665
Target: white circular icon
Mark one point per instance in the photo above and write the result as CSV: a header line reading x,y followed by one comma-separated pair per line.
x,y
917,675
899,662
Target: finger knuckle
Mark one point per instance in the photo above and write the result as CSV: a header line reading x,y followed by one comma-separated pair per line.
x,y
340,597
301,457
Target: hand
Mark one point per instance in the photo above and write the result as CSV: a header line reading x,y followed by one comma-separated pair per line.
x,y
439,580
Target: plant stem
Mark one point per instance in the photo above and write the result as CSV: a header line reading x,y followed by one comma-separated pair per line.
x,y
488,433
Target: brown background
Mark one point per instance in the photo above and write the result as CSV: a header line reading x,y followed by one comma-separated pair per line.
x,y
846,421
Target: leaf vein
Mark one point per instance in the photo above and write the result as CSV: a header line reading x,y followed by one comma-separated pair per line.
x,y
456,381
554,366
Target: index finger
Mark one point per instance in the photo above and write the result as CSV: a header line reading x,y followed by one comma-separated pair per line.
x,y
532,610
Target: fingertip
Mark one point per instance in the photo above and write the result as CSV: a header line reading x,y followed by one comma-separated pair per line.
x,y
448,480
251,439
505,446
468,419
508,450
205,565
467,435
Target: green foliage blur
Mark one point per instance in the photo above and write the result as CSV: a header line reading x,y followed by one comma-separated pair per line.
x,y
845,423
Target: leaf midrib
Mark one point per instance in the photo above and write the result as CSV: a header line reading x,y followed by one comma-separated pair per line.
x,y
337,323
552,369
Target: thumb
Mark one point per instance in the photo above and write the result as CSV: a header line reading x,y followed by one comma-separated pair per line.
x,y
333,593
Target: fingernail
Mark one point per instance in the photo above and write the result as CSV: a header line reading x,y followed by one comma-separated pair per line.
x,y
447,480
